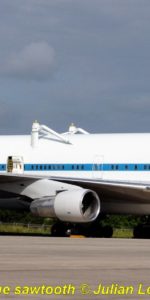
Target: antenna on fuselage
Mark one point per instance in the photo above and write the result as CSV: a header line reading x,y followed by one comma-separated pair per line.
x,y
44,131
35,134
74,129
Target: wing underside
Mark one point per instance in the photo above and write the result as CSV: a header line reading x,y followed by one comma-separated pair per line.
x,y
115,196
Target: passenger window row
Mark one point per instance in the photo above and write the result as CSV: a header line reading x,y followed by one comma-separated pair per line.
x,y
53,167
130,167
77,167
47,167
81,167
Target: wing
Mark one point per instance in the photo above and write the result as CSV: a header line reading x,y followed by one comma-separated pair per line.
x,y
128,197
115,196
11,187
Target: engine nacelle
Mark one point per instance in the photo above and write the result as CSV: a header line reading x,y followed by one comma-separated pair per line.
x,y
79,205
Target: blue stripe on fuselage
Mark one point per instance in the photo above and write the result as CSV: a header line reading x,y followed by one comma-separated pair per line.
x,y
83,167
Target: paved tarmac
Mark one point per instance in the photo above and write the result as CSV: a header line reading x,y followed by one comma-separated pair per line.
x,y
63,265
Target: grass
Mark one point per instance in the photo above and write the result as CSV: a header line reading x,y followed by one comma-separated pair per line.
x,y
45,230
123,233
24,229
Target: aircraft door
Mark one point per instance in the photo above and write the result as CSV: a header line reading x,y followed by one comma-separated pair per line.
x,y
98,167
15,164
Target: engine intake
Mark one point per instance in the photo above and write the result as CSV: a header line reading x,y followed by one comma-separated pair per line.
x,y
77,206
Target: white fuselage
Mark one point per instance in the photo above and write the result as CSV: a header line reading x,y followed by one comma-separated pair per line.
x,y
100,157
94,156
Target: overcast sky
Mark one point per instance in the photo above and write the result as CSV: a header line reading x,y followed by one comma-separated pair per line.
x,y
81,61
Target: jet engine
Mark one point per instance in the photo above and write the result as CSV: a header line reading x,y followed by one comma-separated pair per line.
x,y
78,206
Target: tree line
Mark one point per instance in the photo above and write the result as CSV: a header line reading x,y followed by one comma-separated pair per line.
x,y
117,221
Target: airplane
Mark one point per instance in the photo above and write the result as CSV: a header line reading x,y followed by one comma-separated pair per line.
x,y
76,178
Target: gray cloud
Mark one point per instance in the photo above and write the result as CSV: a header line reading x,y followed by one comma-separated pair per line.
x,y
101,50
35,61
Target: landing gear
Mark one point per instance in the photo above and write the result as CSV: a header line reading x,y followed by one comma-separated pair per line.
x,y
107,231
61,229
142,230
98,231
94,229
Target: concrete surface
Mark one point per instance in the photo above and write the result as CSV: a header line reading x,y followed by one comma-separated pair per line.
x,y
71,262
